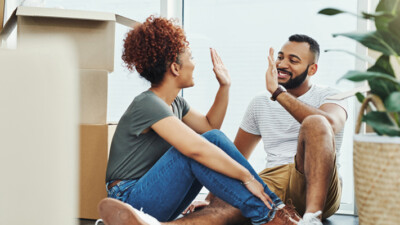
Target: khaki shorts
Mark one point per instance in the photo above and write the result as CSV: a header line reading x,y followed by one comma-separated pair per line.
x,y
289,185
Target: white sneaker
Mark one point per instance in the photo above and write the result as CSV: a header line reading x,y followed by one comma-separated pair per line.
x,y
145,217
311,219
115,212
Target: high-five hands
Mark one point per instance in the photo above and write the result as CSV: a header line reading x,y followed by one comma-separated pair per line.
x,y
271,76
221,73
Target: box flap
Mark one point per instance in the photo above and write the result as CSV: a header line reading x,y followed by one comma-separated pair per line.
x,y
125,21
94,39
9,27
64,13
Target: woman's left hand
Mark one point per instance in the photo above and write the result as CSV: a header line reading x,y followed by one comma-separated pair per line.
x,y
220,70
196,204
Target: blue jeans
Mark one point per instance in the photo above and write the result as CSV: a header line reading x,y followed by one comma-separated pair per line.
x,y
175,180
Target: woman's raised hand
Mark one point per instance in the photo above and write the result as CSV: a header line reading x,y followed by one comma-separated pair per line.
x,y
220,70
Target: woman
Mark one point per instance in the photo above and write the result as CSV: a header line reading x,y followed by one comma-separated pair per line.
x,y
158,161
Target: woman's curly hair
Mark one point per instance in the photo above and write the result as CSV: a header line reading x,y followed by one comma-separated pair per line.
x,y
150,47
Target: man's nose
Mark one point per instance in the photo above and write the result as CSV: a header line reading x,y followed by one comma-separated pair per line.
x,y
282,63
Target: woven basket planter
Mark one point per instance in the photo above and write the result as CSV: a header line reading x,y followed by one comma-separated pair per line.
x,y
376,176
377,179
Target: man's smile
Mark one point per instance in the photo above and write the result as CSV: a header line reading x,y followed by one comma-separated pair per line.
x,y
283,74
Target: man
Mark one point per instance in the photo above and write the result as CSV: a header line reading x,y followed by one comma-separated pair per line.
x,y
301,131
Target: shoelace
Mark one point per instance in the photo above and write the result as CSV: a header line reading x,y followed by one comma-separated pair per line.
x,y
98,221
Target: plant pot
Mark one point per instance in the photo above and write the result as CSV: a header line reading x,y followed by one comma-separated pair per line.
x,y
377,179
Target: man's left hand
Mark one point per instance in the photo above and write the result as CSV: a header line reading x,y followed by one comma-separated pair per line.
x,y
271,76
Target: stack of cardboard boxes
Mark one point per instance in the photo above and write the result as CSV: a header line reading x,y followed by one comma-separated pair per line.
x,y
94,36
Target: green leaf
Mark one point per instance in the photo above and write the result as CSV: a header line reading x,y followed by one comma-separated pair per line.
x,y
361,57
392,42
360,97
330,11
358,76
333,11
382,19
392,6
381,84
373,40
381,123
392,103
382,65
394,27
389,7
377,15
386,7
382,23
382,87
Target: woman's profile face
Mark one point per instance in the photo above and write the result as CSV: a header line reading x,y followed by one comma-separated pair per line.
x,y
186,69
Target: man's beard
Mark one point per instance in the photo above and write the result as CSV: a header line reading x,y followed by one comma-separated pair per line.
x,y
296,82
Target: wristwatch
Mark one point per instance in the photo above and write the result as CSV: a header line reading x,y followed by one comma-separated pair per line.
x,y
277,92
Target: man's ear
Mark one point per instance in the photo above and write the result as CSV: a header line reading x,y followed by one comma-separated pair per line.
x,y
312,69
175,67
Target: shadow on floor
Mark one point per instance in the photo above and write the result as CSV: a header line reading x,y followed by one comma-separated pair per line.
x,y
341,220
334,220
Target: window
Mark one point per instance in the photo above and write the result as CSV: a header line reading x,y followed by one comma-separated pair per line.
x,y
242,32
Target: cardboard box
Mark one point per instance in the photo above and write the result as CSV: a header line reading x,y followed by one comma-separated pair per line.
x,y
93,96
95,143
92,32
39,136
2,7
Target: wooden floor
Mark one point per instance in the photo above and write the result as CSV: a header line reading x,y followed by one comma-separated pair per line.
x,y
341,220
333,220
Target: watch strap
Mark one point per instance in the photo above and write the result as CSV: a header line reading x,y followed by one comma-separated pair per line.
x,y
277,92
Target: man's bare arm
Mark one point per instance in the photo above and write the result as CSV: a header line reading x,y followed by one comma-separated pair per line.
x,y
246,142
334,113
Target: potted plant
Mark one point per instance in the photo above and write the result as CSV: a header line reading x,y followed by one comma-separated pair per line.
x,y
377,155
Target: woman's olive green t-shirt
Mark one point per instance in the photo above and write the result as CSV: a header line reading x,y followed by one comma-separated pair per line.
x,y
132,153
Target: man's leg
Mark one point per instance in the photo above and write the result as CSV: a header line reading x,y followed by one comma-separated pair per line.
x,y
115,212
217,213
316,160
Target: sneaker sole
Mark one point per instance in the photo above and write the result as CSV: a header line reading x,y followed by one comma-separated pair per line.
x,y
115,212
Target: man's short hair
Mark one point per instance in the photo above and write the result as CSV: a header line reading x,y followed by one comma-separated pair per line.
x,y
314,46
